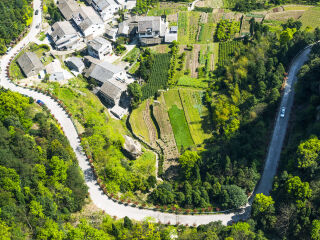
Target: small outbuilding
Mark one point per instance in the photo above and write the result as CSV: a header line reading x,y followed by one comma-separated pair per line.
x,y
30,64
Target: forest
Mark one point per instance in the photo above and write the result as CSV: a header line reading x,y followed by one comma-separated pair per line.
x,y
41,186
15,16
292,211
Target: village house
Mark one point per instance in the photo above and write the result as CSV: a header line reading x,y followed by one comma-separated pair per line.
x,y
68,8
111,91
75,64
99,48
30,64
149,29
104,71
88,22
105,8
64,36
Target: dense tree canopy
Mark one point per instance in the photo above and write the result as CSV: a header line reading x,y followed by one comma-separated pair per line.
x,y
15,16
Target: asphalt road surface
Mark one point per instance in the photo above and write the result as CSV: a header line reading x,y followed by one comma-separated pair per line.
x,y
113,208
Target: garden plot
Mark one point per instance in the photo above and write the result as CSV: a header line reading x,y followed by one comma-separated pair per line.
x,y
192,60
195,113
178,120
167,141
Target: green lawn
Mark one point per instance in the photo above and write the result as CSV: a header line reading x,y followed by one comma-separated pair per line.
x,y
180,127
311,18
134,68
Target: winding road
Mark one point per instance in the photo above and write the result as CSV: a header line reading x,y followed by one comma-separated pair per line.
x,y
115,209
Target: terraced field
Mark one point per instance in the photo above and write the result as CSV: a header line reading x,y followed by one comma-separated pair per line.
x,y
196,114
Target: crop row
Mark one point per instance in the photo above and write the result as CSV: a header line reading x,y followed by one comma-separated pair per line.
x,y
226,50
159,75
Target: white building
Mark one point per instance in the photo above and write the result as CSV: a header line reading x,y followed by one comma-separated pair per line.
x,y
64,36
105,8
99,48
89,22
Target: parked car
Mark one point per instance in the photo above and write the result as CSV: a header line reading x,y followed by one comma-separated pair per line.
x,y
36,12
282,112
40,102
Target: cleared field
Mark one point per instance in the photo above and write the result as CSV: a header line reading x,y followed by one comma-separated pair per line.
x,y
167,8
311,18
296,7
210,3
178,120
195,113
139,127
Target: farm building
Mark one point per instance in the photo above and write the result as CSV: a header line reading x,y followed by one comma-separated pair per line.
x,y
30,64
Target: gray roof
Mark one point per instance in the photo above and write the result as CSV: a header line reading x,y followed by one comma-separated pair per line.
x,y
103,71
98,43
61,29
113,88
57,76
87,17
149,22
28,62
68,8
76,61
101,4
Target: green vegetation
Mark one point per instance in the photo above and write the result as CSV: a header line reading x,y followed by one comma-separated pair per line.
x,y
310,18
180,127
158,74
192,82
226,51
167,8
226,30
143,6
132,56
40,50
196,114
102,138
52,12
40,180
183,23
15,17
139,127
42,36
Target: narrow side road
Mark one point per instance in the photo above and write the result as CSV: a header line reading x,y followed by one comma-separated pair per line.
x,y
114,209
